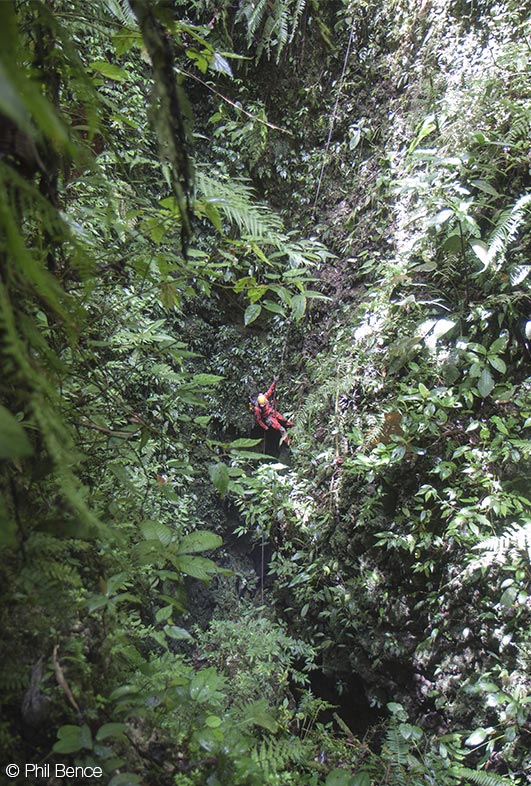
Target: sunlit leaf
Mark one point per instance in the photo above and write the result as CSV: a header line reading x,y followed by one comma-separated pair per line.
x,y
298,306
252,312
196,567
221,64
476,738
201,540
177,634
109,71
485,383
219,475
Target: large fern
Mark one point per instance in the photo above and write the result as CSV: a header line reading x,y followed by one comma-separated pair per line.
x,y
256,222
235,199
271,25
506,229
480,778
273,755
497,548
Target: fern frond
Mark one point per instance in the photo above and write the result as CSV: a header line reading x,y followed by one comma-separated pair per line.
x,y
274,755
270,25
234,198
498,548
122,11
506,229
481,778
253,13
297,13
396,747
519,130
516,536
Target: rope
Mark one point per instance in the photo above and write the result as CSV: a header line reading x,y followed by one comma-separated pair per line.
x,y
333,120
262,571
262,566
284,349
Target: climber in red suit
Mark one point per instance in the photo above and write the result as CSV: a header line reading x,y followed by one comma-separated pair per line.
x,y
265,412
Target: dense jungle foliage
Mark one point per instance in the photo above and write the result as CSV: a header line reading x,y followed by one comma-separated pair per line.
x,y
198,197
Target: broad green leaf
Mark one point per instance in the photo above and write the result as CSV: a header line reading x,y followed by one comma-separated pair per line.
x,y
219,475
452,244
125,39
252,312
72,739
252,456
497,346
397,709
476,738
298,306
442,326
441,217
508,597
199,59
96,602
196,567
205,684
201,540
109,71
481,251
176,633
361,779
212,213
485,383
164,614
311,293
497,363
209,739
243,283
124,692
408,731
155,530
110,730
14,442
255,293
213,721
245,443
221,64
275,308
485,187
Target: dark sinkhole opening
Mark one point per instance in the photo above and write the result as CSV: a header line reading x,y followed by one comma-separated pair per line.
x,y
348,697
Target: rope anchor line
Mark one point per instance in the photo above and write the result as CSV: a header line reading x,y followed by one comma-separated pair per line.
x,y
333,119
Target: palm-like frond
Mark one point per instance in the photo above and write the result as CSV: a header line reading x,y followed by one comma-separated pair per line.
x,y
481,778
122,11
515,539
234,198
271,25
506,229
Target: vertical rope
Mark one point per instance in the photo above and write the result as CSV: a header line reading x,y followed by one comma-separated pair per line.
x,y
333,120
262,571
